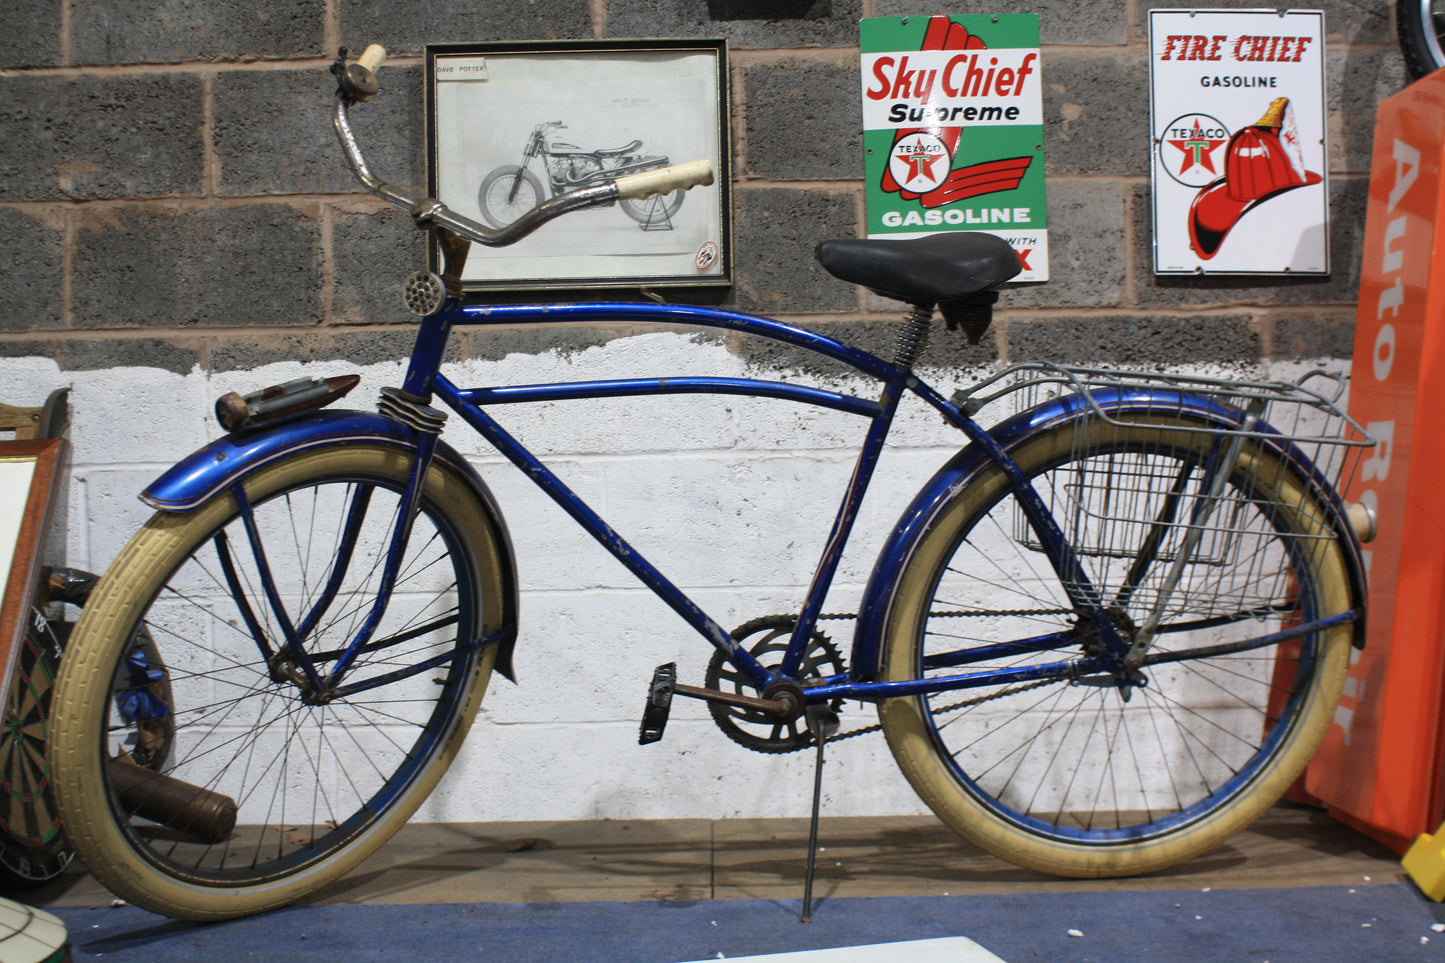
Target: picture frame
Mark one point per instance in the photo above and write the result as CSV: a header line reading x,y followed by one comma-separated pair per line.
x,y
30,476
511,124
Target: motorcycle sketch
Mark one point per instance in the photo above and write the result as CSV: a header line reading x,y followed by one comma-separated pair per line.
x,y
512,190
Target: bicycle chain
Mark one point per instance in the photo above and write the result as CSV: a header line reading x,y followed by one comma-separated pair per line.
x,y
990,613
966,703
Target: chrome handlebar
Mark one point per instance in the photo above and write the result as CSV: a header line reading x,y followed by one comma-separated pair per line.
x,y
357,82
430,211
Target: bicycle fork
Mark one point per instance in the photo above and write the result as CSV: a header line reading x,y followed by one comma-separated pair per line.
x,y
291,662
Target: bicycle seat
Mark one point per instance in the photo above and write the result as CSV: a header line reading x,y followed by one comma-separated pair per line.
x,y
924,270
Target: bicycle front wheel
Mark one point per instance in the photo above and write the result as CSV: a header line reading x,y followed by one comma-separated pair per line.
x,y
1080,777
178,665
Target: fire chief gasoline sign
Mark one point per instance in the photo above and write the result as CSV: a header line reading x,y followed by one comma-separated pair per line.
x,y
953,129
1237,109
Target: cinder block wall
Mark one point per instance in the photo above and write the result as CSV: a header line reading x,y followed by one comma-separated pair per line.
x,y
175,222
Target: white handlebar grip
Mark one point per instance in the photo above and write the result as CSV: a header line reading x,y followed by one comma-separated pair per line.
x,y
372,57
665,180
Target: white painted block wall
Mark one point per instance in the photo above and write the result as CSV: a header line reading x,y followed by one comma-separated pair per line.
x,y
731,497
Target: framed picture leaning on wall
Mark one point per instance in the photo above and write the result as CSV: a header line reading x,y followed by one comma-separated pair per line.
x,y
30,475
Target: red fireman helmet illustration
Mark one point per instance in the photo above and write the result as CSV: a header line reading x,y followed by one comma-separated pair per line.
x,y
1261,161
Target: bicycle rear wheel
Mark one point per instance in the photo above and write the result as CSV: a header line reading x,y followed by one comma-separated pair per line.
x,y
317,785
1070,777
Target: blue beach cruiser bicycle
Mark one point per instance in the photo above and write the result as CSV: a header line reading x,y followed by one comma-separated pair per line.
x,y
1106,635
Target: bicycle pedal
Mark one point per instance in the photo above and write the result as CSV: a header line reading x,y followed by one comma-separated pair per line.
x,y
659,703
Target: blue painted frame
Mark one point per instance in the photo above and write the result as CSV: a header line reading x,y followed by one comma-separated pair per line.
x,y
185,483
423,379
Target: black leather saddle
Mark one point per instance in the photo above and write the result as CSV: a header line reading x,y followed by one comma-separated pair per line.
x,y
937,269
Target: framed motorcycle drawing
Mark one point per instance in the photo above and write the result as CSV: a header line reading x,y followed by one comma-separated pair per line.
x,y
510,126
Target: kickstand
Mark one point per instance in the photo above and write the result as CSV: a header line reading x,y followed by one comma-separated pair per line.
x,y
822,722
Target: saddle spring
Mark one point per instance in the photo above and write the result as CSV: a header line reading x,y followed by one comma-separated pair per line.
x,y
914,337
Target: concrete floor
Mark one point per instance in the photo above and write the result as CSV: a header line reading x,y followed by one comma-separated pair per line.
x,y
690,860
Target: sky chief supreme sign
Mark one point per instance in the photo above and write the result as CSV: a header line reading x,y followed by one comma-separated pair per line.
x,y
953,129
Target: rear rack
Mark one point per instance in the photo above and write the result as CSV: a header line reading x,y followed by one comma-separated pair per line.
x,y
1306,413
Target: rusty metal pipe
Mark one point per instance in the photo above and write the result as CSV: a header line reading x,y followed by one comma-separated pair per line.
x,y
199,812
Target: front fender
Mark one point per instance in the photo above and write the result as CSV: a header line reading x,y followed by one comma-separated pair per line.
x,y
204,473
883,583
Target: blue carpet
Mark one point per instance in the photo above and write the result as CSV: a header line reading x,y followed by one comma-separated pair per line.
x,y
1374,923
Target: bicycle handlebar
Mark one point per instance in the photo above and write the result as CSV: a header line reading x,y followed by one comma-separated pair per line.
x,y
357,83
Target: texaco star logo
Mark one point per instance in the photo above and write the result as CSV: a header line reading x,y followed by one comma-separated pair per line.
x,y
1191,149
919,162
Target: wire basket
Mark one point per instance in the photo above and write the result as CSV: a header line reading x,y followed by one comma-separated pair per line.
x,y
1192,474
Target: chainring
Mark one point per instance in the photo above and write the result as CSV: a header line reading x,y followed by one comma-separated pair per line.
x,y
756,730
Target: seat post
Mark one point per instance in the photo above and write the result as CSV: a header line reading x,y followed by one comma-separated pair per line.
x,y
914,336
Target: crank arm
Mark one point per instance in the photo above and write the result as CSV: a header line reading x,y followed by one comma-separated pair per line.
x,y
777,708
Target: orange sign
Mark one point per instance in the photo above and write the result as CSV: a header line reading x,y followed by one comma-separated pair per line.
x,y
1381,765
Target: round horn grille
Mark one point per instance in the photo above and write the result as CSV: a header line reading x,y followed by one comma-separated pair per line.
x,y
424,293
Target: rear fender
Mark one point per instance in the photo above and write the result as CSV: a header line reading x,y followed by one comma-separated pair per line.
x,y
883,583
204,473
